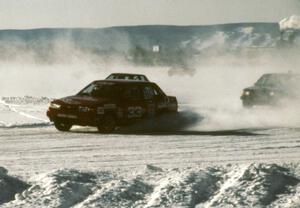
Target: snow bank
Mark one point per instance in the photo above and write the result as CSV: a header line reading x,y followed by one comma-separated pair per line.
x,y
255,185
62,188
184,189
120,193
9,186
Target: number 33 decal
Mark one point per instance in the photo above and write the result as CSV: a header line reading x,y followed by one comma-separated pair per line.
x,y
134,112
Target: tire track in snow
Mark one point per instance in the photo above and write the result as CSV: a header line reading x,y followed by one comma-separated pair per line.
x,y
13,109
35,149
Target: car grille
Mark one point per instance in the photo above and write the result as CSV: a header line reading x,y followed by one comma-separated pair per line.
x,y
69,109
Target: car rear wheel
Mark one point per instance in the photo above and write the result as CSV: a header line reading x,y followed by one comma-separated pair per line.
x,y
62,126
173,110
108,124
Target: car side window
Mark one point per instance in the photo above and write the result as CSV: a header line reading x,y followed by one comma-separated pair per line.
x,y
132,93
149,92
158,91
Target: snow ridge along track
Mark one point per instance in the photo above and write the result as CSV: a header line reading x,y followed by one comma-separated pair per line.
x,y
254,185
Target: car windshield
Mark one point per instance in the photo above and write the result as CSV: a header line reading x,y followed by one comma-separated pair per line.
x,y
271,80
103,89
286,81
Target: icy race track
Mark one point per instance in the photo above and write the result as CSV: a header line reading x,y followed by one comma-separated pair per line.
x,y
188,168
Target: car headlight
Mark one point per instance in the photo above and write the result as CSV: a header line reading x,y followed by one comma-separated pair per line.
x,y
54,105
246,93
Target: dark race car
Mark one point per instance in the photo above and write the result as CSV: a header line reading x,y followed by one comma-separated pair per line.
x,y
107,104
271,89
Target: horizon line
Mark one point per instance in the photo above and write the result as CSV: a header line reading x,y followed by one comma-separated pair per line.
x,y
118,26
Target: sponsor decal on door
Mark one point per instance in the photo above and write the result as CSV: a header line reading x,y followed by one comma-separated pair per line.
x,y
135,112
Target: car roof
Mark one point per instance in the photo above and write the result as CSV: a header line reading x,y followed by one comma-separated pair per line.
x,y
123,81
142,77
281,74
127,74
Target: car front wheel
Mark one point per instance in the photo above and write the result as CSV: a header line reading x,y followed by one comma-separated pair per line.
x,y
62,126
247,104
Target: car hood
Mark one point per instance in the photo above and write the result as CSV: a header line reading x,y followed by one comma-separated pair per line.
x,y
252,88
259,88
81,100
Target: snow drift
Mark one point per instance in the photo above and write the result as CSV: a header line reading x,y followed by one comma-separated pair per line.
x,y
258,185
10,186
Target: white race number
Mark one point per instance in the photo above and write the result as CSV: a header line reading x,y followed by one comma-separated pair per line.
x,y
134,112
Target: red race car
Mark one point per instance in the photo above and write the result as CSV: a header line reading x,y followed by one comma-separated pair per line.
x,y
109,103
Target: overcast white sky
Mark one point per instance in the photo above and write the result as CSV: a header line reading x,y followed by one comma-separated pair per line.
x,y
103,13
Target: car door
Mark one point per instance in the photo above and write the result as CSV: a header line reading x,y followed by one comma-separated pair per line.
x,y
149,99
155,99
133,104
161,98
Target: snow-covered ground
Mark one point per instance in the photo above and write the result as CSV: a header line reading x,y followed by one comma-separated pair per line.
x,y
23,111
159,165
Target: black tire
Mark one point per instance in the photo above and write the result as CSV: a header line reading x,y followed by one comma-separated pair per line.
x,y
247,104
62,126
174,110
108,124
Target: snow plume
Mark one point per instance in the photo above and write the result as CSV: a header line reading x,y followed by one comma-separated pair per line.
x,y
164,124
292,22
